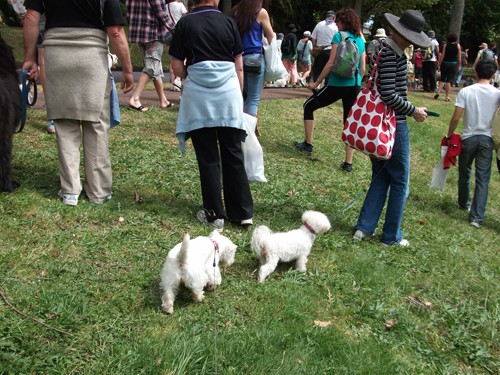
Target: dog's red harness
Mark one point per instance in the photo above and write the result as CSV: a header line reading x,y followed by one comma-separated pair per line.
x,y
309,228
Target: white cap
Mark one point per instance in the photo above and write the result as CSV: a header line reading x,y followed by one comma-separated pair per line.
x,y
307,33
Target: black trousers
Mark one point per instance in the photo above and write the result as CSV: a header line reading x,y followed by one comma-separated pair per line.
x,y
429,75
219,154
328,95
319,63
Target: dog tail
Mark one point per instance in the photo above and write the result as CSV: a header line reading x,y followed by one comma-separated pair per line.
x,y
182,256
258,241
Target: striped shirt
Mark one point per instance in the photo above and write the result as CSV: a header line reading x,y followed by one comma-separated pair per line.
x,y
148,20
392,79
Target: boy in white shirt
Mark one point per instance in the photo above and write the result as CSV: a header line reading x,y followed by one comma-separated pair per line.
x,y
478,103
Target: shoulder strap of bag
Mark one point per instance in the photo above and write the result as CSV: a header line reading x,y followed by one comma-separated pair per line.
x,y
373,73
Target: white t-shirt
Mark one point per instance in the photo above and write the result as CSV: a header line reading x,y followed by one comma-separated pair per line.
x,y
434,44
479,102
176,10
323,33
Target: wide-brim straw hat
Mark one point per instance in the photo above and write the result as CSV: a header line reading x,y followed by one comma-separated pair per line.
x,y
483,45
410,26
380,34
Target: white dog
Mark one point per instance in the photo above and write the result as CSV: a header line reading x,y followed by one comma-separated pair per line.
x,y
195,263
289,246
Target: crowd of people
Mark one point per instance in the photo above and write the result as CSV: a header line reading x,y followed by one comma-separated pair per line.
x,y
221,64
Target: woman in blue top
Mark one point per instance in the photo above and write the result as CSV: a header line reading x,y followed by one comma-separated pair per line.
x,y
252,21
337,87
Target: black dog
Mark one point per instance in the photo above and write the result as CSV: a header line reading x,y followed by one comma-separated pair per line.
x,y
10,115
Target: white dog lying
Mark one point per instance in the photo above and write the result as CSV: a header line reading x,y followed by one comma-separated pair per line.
x,y
195,263
289,246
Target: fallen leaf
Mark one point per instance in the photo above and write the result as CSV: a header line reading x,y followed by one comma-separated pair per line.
x,y
390,323
121,219
419,302
228,323
298,361
52,316
137,197
319,323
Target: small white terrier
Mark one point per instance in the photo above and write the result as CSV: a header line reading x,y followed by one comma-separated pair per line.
x,y
195,263
288,246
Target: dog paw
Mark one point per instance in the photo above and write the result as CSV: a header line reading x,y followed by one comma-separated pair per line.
x,y
167,309
198,297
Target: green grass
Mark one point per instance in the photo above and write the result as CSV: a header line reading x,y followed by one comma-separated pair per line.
x,y
94,270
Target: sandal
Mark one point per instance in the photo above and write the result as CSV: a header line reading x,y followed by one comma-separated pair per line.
x,y
169,105
447,99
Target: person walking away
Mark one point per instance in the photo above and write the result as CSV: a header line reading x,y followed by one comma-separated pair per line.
x,y
175,10
337,87
207,51
478,104
449,63
289,54
374,44
304,49
390,178
322,36
463,62
430,55
417,62
79,86
253,21
148,23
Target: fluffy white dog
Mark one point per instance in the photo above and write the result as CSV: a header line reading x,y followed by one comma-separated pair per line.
x,y
288,246
195,263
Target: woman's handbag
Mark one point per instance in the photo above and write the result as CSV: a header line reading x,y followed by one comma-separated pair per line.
x,y
274,66
251,65
370,126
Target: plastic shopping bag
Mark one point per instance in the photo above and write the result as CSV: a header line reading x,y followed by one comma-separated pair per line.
x,y
252,151
439,174
274,66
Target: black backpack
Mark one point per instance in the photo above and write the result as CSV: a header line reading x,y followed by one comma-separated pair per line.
x,y
287,45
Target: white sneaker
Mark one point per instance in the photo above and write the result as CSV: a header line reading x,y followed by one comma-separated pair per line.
x,y
402,243
68,199
359,235
247,222
101,201
475,224
217,224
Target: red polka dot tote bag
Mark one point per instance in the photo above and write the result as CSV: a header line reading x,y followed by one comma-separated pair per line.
x,y
370,126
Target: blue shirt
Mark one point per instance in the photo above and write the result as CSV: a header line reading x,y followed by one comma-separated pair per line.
x,y
335,80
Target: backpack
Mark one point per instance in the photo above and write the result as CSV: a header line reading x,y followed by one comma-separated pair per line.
x,y
347,57
427,53
488,55
300,52
287,47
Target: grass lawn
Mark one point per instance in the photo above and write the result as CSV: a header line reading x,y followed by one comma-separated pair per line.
x,y
361,308
93,271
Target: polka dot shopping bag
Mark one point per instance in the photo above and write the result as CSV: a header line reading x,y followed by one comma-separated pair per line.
x,y
370,126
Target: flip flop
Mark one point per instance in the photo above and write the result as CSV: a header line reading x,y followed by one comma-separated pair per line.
x,y
169,105
141,108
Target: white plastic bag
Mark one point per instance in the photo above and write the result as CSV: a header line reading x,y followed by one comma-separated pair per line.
x,y
439,174
252,151
274,66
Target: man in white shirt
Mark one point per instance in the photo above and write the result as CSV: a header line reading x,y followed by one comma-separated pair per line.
x,y
322,36
478,103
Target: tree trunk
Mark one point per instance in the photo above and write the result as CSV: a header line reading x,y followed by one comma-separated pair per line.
x,y
457,13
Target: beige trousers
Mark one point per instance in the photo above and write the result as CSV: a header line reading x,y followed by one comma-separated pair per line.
x,y
96,158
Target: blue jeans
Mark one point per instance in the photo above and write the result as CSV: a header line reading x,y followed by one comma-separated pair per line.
x,y
253,85
390,178
480,149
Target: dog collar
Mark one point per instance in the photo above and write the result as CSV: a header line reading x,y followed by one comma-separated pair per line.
x,y
309,228
216,245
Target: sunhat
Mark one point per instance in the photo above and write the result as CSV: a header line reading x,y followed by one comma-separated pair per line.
x,y
431,34
483,45
307,33
380,33
292,28
410,26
